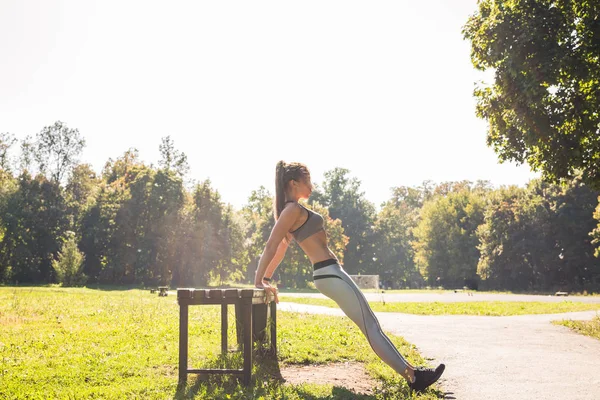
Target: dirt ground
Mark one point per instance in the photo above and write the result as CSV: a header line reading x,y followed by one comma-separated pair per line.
x,y
349,375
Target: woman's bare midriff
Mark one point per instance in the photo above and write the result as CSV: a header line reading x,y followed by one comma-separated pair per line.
x,y
315,247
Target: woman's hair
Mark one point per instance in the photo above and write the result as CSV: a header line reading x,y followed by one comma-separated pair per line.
x,y
285,172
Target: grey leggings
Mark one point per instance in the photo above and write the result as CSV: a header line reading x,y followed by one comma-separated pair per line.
x,y
336,284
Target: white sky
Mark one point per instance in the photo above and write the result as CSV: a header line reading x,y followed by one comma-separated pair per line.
x,y
383,88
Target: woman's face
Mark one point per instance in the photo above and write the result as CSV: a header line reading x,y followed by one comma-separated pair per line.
x,y
304,187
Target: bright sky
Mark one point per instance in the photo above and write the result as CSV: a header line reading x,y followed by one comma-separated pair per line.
x,y
381,88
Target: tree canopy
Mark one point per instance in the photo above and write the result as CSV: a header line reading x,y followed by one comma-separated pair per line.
x,y
543,107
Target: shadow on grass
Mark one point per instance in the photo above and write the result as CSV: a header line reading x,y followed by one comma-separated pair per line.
x,y
267,382
338,393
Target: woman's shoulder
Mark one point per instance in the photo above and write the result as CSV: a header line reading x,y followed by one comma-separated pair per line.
x,y
291,206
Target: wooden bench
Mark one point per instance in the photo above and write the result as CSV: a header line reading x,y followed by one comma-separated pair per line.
x,y
248,304
162,291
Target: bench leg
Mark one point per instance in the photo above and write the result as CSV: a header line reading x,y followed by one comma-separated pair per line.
x,y
183,343
273,307
247,307
224,328
259,322
239,324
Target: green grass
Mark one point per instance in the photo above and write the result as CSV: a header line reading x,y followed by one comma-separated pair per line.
x,y
491,308
398,291
589,328
83,343
440,291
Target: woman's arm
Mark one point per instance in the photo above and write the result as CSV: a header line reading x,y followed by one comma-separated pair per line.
x,y
280,230
277,258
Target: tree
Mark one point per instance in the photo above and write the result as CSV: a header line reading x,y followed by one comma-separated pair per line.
x,y
595,234
410,197
26,158
258,214
543,105
163,207
538,238
122,168
8,186
80,192
7,140
35,219
98,228
171,158
445,239
114,228
57,149
69,263
234,260
202,236
513,239
394,255
573,207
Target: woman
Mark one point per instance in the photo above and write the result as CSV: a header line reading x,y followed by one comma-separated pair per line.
x,y
294,221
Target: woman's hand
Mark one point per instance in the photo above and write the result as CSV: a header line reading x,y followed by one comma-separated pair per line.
x,y
269,289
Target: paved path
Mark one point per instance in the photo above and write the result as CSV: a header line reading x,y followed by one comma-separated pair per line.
x,y
516,357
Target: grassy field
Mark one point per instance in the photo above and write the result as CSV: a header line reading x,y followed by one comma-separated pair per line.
x,y
491,308
589,328
435,291
116,344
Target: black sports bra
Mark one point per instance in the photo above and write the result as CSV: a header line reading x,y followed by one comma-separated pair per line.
x,y
312,225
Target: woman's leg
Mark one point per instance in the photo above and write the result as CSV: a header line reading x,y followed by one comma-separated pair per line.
x,y
336,284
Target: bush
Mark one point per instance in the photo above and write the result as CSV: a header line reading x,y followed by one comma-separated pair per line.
x,y
69,265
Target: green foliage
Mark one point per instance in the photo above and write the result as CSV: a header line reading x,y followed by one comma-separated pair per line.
x,y
98,232
542,107
7,140
138,224
56,150
171,158
35,218
210,242
595,234
445,239
538,238
258,214
69,263
80,193
393,235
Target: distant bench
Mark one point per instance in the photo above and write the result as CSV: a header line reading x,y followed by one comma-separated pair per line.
x,y
163,291
250,312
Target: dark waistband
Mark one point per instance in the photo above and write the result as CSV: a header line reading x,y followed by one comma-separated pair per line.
x,y
325,263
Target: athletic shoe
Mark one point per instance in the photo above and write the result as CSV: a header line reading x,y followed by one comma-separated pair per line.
x,y
425,377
